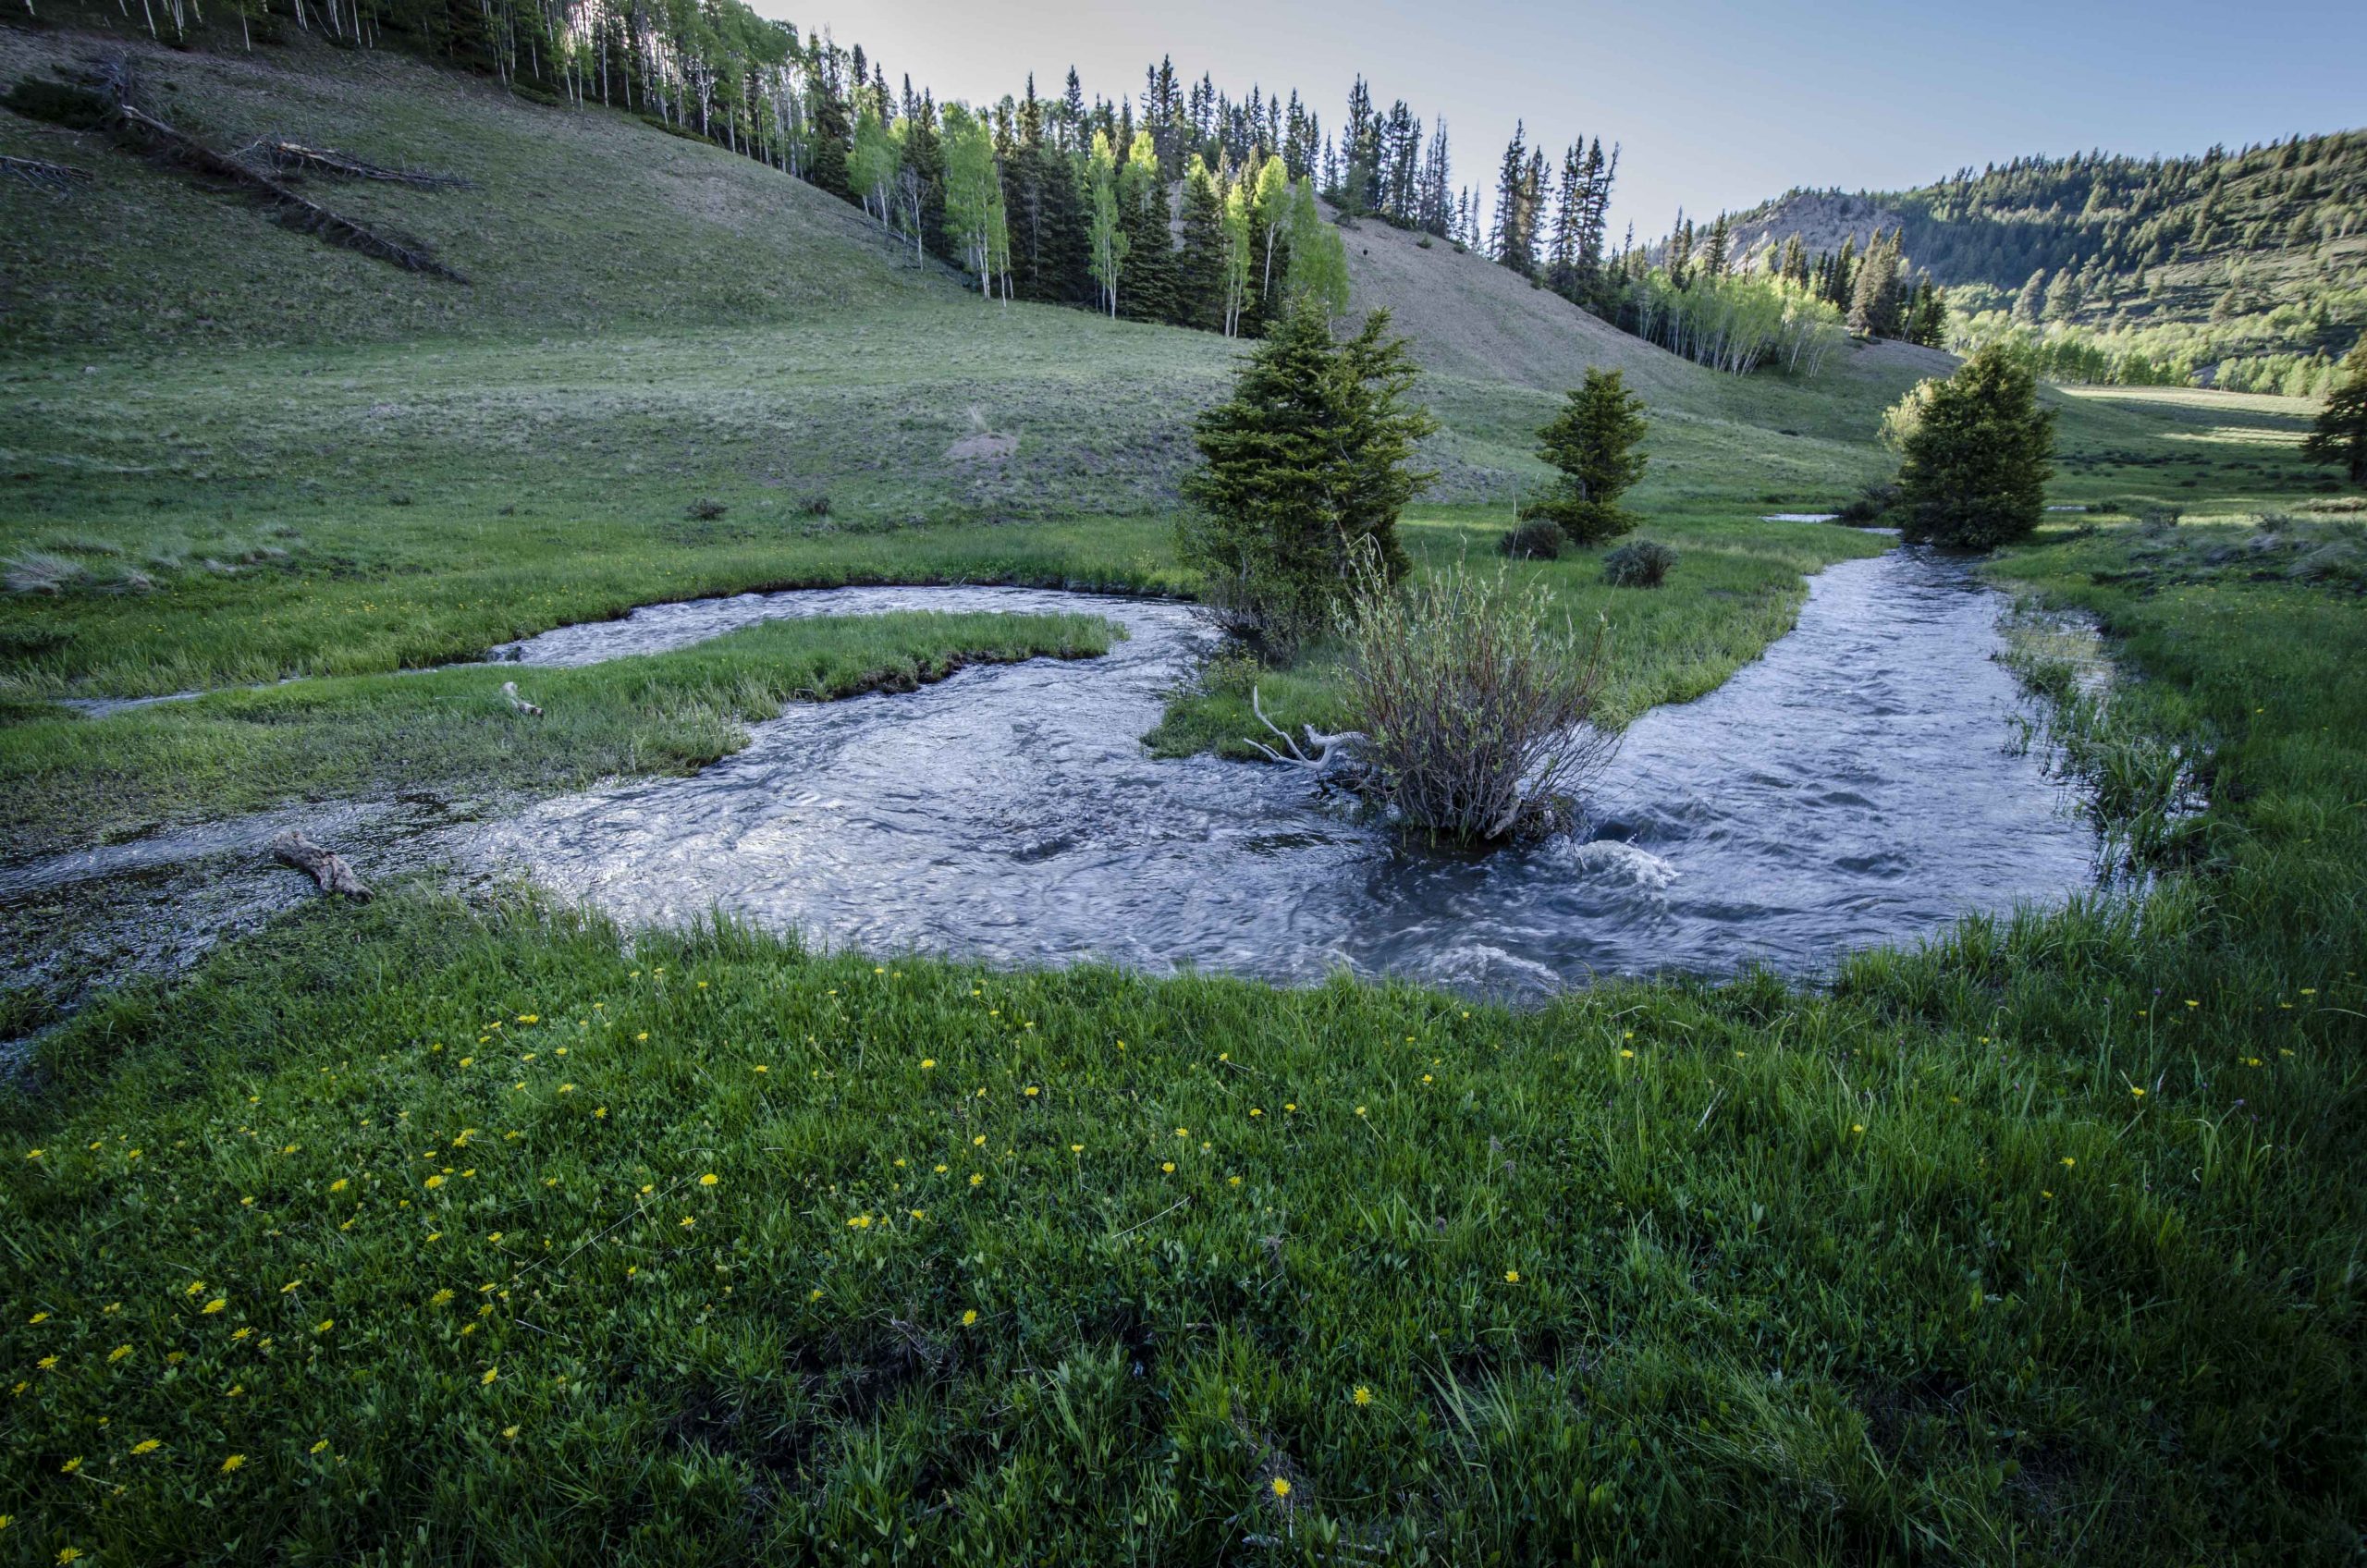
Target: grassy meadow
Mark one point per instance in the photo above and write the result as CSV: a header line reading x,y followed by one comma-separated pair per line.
x,y
465,1228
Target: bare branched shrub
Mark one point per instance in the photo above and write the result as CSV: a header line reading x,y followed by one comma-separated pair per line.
x,y
1475,702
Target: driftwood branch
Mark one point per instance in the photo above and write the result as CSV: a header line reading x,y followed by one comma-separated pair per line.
x,y
284,157
289,207
58,179
509,690
324,866
1329,750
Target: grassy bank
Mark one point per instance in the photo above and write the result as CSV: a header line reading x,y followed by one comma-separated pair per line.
x,y
1736,588
70,781
2039,1245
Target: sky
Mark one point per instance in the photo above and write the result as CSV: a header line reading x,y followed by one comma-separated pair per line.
x,y
1716,106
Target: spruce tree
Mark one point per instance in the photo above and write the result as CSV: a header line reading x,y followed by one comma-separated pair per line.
x,y
1593,442
1200,271
1975,449
2340,434
1151,294
1305,471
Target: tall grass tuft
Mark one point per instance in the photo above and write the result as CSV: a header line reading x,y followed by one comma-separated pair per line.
x,y
1475,702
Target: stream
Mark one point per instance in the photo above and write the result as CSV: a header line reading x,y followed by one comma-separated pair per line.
x,y
1853,786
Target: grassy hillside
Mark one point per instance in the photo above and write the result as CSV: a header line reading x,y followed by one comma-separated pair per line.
x,y
2194,262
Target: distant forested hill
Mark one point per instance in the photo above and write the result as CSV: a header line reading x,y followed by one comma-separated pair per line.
x,y
2239,269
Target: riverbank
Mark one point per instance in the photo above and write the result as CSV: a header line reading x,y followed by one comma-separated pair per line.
x,y
2034,1243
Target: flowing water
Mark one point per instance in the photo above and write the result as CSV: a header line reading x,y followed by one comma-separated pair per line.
x,y
1854,786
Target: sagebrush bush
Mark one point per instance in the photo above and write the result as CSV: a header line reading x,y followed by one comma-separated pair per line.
x,y
1643,564
1473,703
1532,539
706,509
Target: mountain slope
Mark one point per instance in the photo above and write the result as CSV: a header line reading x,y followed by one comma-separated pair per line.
x,y
2243,256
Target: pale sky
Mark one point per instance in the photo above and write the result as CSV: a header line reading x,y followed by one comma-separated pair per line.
x,y
1717,104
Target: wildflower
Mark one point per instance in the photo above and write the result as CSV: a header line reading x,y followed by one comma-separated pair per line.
x,y
435,1182
709,1179
118,1353
943,1168
1255,1111
814,1294
642,1035
34,1153
291,1284
1360,1110
1169,1167
47,1363
1512,1276
917,1213
337,1186
217,1304
494,1236
318,1446
490,1374
981,1138
1363,1395
689,1223
600,1114
325,1325
1290,1105
1076,1149
860,1222
1182,1131
146,1445
2069,1162
1233,1181
509,1434
71,1466
38,1318
927,1063
2135,1092
242,1336
1426,1078
1629,1054
566,1088
970,1317
762,1068
1033,1091
69,1554
233,1462
193,1287
1281,1488
1857,1127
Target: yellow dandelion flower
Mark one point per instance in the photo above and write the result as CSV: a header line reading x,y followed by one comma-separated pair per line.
x,y
928,1063
1363,1395
217,1304
943,1168
69,1554
689,1223
47,1363
762,1068
975,1179
860,1222
2069,1162
1169,1167
981,1138
146,1445
194,1287
490,1374
292,1285
71,1466
118,1353
337,1186
815,1294
433,1182
509,1434
1282,1486
1233,1181
1512,1276
1857,1126
1033,1091
970,1317
235,1462
1076,1149
2136,1093
1629,1054
325,1325
709,1179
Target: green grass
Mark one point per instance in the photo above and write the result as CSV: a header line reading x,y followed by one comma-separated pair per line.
x,y
1737,586
71,780
1909,1269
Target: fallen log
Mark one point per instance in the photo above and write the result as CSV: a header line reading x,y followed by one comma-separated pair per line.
x,y
283,156
288,207
58,179
509,690
324,866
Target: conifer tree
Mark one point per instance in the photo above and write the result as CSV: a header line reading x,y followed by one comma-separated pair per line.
x,y
1150,250
1201,269
1515,242
1593,442
1305,469
1975,449
2340,434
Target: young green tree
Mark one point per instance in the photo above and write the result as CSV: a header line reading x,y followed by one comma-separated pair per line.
x,y
871,169
1305,469
1271,207
2340,435
1593,442
975,218
1317,271
1975,447
1106,236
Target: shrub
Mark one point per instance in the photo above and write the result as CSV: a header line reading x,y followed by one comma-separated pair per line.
x,y
1643,564
1869,506
1473,703
815,506
706,509
57,103
1533,539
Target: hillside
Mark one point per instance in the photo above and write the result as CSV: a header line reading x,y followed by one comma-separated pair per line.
x,y
653,295
2191,262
